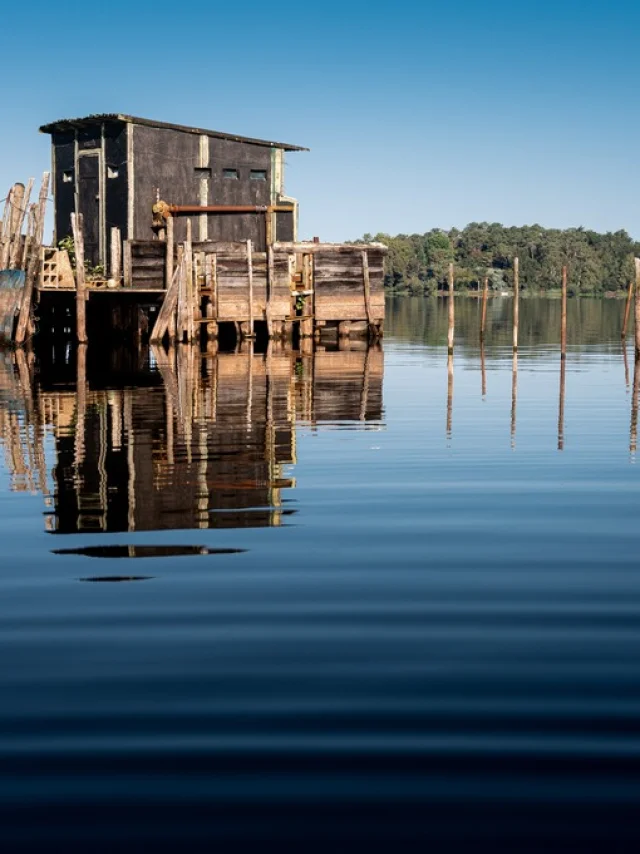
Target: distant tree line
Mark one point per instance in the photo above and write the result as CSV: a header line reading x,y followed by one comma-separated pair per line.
x,y
418,263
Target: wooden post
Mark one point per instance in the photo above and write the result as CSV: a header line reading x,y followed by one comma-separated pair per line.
x,y
367,291
15,256
516,301
270,283
483,369
563,315
115,266
190,285
168,263
485,295
451,312
167,310
627,309
81,304
33,264
637,307
250,333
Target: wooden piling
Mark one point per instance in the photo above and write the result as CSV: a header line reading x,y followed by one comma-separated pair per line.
x,y
33,264
485,295
167,309
367,292
115,266
190,286
627,310
250,332
563,315
483,369
81,304
450,336
516,301
270,283
15,255
637,307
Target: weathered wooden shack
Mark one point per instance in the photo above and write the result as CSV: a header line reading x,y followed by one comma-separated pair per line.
x,y
113,168
176,232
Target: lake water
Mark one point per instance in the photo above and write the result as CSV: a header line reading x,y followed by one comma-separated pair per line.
x,y
325,600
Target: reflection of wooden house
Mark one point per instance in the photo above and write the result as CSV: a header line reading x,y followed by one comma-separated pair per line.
x,y
199,444
197,453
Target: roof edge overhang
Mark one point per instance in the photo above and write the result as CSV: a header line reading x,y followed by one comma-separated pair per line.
x,y
65,125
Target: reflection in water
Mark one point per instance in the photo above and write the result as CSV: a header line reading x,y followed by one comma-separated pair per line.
x,y
179,440
514,397
449,396
633,441
145,551
563,376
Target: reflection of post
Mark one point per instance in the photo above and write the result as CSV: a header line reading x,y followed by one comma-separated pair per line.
x,y
485,295
637,311
250,385
563,315
516,301
81,407
364,397
626,366
633,441
131,481
483,369
563,369
450,334
449,395
627,309
514,397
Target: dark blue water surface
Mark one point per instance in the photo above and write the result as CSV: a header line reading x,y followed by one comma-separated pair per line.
x,y
328,601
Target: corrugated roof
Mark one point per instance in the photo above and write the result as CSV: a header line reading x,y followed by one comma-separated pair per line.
x,y
63,125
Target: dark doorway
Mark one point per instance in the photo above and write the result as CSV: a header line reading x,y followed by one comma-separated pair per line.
x,y
89,205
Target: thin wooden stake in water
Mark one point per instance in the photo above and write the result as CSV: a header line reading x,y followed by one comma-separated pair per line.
x,y
627,311
81,304
451,312
516,301
483,370
637,312
485,295
563,315
250,279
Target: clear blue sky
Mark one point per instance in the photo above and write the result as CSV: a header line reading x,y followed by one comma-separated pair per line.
x,y
418,115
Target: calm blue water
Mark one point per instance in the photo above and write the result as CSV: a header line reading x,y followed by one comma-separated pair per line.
x,y
324,601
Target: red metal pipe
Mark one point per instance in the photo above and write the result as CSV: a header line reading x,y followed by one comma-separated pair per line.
x,y
174,209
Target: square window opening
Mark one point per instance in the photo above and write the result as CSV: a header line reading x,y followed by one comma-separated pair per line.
x,y
258,175
203,171
232,174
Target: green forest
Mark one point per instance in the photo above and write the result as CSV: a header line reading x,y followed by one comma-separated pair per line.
x,y
597,263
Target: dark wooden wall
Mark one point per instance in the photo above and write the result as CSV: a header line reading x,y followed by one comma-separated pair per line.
x,y
64,191
116,179
164,161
